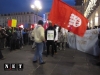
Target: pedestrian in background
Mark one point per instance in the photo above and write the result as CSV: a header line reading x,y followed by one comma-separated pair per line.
x,y
2,36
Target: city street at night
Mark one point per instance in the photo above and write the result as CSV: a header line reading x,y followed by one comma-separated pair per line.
x,y
49,37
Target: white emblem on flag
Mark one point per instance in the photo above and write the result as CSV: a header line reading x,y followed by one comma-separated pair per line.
x,y
74,21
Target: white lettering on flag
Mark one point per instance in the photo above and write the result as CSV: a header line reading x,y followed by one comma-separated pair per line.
x,y
74,21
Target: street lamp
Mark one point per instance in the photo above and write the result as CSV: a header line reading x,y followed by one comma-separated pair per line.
x,y
37,7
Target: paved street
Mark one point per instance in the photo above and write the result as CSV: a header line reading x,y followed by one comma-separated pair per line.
x,y
68,62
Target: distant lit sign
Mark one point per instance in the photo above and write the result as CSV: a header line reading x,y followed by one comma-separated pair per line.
x,y
21,26
44,18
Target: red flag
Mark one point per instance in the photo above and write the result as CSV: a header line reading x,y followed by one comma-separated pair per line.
x,y
67,17
45,25
9,23
32,25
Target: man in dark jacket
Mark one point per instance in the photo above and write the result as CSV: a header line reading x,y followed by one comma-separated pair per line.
x,y
8,38
13,40
2,35
50,34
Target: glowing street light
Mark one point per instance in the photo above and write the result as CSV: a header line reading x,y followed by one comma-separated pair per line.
x,y
32,6
37,7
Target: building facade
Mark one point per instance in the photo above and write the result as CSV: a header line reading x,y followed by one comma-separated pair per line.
x,y
22,18
92,11
78,2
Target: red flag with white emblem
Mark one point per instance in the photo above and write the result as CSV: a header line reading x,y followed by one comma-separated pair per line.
x,y
68,18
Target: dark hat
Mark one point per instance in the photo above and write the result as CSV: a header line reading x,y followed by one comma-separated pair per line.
x,y
40,22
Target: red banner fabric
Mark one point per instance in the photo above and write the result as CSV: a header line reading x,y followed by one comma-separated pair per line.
x,y
9,23
68,18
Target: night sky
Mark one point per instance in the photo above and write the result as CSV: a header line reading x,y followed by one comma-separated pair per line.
x,y
10,6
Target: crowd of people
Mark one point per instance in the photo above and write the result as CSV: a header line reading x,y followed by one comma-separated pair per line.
x,y
13,38
51,39
16,38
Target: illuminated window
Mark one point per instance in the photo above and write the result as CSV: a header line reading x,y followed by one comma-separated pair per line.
x,y
91,23
96,19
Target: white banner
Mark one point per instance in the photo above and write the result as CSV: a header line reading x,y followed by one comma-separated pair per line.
x,y
88,43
